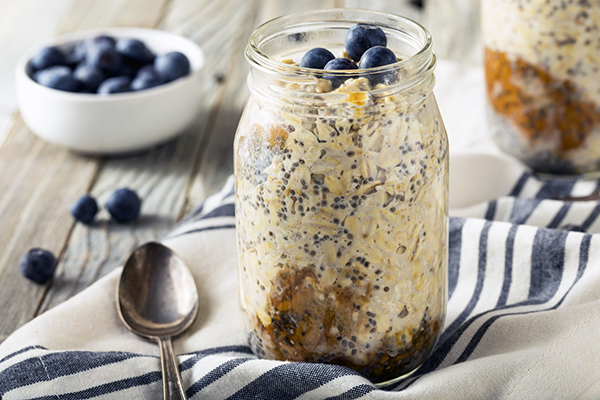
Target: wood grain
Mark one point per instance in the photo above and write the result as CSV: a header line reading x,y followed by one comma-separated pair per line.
x,y
32,207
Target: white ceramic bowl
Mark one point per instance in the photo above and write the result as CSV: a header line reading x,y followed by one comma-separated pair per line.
x,y
115,123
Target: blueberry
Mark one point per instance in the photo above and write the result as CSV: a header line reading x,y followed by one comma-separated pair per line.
x,y
134,51
361,37
37,265
89,77
118,84
103,40
47,57
84,209
58,77
171,66
147,70
124,205
77,54
128,70
378,56
316,58
105,57
339,64
573,228
144,82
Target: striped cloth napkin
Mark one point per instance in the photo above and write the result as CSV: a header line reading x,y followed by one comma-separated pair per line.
x,y
523,317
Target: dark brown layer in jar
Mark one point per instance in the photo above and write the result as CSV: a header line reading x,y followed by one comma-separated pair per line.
x,y
308,328
539,105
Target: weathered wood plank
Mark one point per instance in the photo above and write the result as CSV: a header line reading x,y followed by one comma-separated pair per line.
x,y
455,28
33,213
161,176
42,179
89,14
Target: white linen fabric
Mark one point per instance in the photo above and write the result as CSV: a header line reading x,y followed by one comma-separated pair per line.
x,y
523,316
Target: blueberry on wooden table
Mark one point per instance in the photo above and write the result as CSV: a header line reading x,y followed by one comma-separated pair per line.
x,y
118,84
134,51
316,58
171,66
89,77
361,37
37,265
84,209
47,57
124,205
338,64
57,77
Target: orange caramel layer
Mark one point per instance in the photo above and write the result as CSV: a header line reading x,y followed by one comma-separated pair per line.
x,y
555,107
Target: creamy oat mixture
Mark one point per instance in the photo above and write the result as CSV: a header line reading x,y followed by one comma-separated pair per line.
x,y
543,76
342,228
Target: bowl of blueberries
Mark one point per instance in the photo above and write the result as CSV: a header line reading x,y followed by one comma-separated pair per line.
x,y
110,91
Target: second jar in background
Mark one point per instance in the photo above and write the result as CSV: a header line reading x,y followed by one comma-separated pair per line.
x,y
542,65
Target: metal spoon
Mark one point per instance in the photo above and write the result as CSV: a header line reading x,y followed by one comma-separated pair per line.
x,y
157,298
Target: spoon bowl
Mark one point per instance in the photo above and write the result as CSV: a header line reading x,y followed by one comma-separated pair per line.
x,y
157,298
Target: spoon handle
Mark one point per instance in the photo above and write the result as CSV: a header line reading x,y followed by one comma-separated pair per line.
x,y
172,385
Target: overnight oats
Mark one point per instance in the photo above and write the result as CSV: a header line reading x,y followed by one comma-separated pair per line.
x,y
542,65
341,193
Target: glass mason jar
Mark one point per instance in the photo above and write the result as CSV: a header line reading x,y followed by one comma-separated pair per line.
x,y
542,67
341,199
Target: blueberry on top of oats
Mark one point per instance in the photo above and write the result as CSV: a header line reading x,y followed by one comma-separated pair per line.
x,y
316,58
361,37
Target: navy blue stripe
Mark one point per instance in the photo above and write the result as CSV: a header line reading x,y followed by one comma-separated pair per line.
x,y
54,365
226,210
454,249
584,253
560,215
516,190
190,362
354,393
214,375
491,210
208,228
547,264
23,350
508,264
288,381
221,350
554,188
107,388
522,209
591,218
483,240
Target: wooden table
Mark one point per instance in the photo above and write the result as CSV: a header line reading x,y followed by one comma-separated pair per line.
x,y
39,181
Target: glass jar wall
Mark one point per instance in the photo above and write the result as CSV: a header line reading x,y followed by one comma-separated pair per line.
x,y
341,199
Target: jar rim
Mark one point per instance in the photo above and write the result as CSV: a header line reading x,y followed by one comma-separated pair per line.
x,y
418,65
